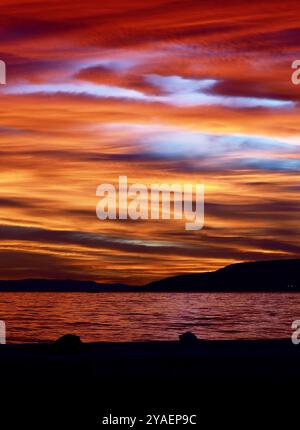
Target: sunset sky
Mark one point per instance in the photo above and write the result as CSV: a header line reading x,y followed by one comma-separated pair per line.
x,y
160,91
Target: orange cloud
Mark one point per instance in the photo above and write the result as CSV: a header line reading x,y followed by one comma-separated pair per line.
x,y
161,92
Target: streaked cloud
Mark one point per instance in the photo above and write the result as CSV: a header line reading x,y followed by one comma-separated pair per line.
x,y
160,92
180,92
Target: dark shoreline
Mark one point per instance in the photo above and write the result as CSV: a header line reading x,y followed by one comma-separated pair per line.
x,y
101,360
223,382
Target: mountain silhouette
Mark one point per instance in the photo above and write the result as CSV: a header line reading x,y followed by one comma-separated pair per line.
x,y
59,285
275,275
261,276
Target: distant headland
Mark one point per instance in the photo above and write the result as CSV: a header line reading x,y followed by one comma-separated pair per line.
x,y
261,276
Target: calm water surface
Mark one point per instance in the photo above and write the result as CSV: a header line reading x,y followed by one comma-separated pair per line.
x,y
40,317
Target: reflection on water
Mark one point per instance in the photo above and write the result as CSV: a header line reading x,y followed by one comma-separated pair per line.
x,y
39,317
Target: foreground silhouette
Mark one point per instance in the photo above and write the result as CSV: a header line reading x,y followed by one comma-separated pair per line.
x,y
223,382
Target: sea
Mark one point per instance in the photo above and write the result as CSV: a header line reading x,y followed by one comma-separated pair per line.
x,y
120,317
